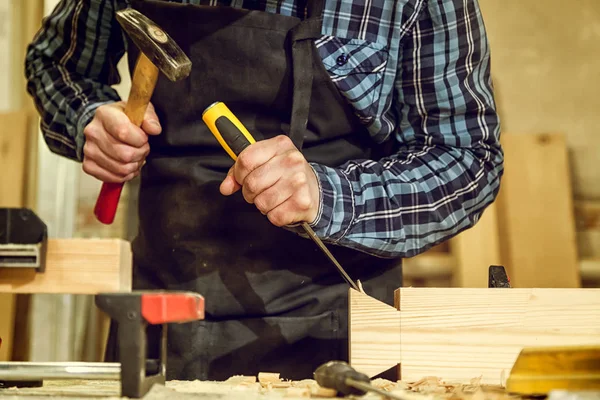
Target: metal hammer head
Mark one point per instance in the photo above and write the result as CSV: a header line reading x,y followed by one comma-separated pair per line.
x,y
159,47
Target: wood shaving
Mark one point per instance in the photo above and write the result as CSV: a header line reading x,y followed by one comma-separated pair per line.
x,y
430,384
281,384
268,377
323,392
241,380
297,392
305,383
383,384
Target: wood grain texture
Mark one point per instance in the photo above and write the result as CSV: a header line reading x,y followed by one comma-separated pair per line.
x,y
13,139
75,266
374,329
144,81
535,210
460,334
475,249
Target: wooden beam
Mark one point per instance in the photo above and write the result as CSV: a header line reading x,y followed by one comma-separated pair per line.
x,y
459,334
75,266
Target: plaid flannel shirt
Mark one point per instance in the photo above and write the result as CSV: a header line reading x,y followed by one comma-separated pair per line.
x,y
415,71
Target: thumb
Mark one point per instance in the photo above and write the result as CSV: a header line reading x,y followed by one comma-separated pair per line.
x,y
150,125
229,185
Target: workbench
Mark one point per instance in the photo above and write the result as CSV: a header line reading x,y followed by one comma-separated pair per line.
x,y
428,388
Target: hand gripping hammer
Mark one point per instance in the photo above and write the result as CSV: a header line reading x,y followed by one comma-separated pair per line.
x,y
158,52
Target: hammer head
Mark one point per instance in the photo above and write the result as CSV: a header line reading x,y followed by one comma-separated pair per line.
x,y
159,47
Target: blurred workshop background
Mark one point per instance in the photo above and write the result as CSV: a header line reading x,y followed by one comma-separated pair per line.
x,y
544,227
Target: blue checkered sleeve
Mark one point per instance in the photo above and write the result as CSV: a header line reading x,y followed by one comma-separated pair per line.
x,y
449,163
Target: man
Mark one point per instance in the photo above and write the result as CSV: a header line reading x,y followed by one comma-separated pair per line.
x,y
375,122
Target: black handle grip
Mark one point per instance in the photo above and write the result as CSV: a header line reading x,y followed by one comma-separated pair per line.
x,y
234,138
333,375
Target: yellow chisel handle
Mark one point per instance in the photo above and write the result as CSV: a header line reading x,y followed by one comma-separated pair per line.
x,y
225,126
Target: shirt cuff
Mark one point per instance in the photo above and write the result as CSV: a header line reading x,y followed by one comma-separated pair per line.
x,y
336,205
84,119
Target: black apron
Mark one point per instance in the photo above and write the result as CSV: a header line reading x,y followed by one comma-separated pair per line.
x,y
273,300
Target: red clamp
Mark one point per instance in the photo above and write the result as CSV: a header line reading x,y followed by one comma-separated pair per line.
x,y
164,308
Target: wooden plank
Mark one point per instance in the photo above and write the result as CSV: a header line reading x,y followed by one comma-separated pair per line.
x,y
535,212
475,250
7,324
459,334
75,266
373,333
13,139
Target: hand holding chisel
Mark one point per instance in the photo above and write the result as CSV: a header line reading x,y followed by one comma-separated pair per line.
x,y
234,138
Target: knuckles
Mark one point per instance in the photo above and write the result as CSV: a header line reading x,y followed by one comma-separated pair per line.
x,y
303,202
278,218
126,154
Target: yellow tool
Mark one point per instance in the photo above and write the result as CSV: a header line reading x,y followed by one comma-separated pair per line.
x,y
234,138
540,370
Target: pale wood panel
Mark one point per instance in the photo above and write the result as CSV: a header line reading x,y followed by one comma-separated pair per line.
x,y
374,334
459,334
535,212
475,250
75,266
13,139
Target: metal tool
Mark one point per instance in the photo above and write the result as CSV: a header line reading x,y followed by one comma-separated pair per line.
x,y
133,312
340,376
23,239
497,277
234,138
158,53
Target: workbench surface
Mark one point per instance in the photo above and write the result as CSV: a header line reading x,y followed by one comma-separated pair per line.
x,y
237,387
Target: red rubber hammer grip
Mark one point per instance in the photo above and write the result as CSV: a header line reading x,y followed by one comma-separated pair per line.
x,y
108,200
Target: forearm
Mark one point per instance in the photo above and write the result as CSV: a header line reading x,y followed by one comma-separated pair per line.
x,y
403,205
68,75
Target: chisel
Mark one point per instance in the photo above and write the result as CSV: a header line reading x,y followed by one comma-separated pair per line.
x,y
234,138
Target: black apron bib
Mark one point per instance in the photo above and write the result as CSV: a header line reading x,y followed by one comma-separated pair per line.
x,y
274,302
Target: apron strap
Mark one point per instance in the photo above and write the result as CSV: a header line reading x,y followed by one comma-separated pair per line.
x,y
302,36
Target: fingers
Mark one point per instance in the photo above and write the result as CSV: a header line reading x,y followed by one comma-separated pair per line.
x,y
295,209
117,125
117,168
262,178
115,150
258,154
277,179
90,167
150,125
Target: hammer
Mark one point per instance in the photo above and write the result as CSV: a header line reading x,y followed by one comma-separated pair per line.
x,y
158,52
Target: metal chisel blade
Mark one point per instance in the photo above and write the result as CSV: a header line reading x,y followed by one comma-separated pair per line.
x,y
325,250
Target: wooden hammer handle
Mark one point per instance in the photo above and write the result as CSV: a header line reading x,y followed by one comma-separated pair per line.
x,y
142,87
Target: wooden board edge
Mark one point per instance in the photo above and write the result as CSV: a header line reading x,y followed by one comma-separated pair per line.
x,y
118,276
126,266
384,311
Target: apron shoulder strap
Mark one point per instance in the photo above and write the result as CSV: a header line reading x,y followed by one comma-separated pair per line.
x,y
315,8
310,8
